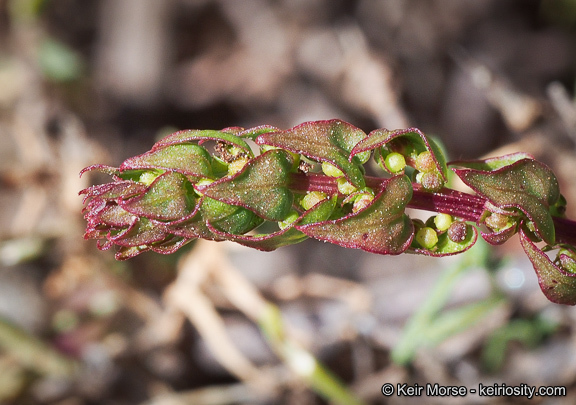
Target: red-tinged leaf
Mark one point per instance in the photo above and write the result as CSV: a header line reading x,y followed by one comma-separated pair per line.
x,y
557,284
169,197
494,163
193,228
400,140
265,242
230,219
261,186
501,236
128,252
287,236
115,216
252,133
100,168
169,246
115,190
94,207
185,158
104,244
92,233
192,135
447,247
142,232
526,184
382,227
325,141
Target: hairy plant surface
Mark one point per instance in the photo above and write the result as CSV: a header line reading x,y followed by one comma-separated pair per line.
x,y
310,181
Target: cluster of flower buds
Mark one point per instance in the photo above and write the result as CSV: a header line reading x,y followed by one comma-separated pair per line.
x,y
264,187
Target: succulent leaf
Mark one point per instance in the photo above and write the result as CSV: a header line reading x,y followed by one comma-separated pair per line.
x,y
382,227
169,197
526,184
325,141
557,283
408,142
184,158
261,186
447,247
200,136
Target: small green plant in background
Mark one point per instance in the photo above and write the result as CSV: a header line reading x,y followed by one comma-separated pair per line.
x,y
310,181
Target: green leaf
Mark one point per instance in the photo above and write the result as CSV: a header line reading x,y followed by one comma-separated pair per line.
x,y
557,284
325,141
195,226
447,247
169,197
494,163
142,232
185,158
112,191
381,227
289,235
501,236
408,142
526,184
191,135
252,133
261,186
227,218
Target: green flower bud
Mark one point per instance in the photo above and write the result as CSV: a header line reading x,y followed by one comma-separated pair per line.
x,y
395,162
344,187
203,182
292,216
362,201
330,170
237,165
427,237
229,218
311,199
442,221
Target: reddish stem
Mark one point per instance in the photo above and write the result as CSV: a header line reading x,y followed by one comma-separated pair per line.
x,y
462,205
466,206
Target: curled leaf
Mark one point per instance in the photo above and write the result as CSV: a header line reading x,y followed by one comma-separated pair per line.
x,y
184,158
325,141
556,282
261,186
500,236
381,227
408,142
447,247
526,184
252,133
169,197
188,136
289,235
493,163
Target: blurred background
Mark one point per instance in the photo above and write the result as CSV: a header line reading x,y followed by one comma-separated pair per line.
x,y
97,81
